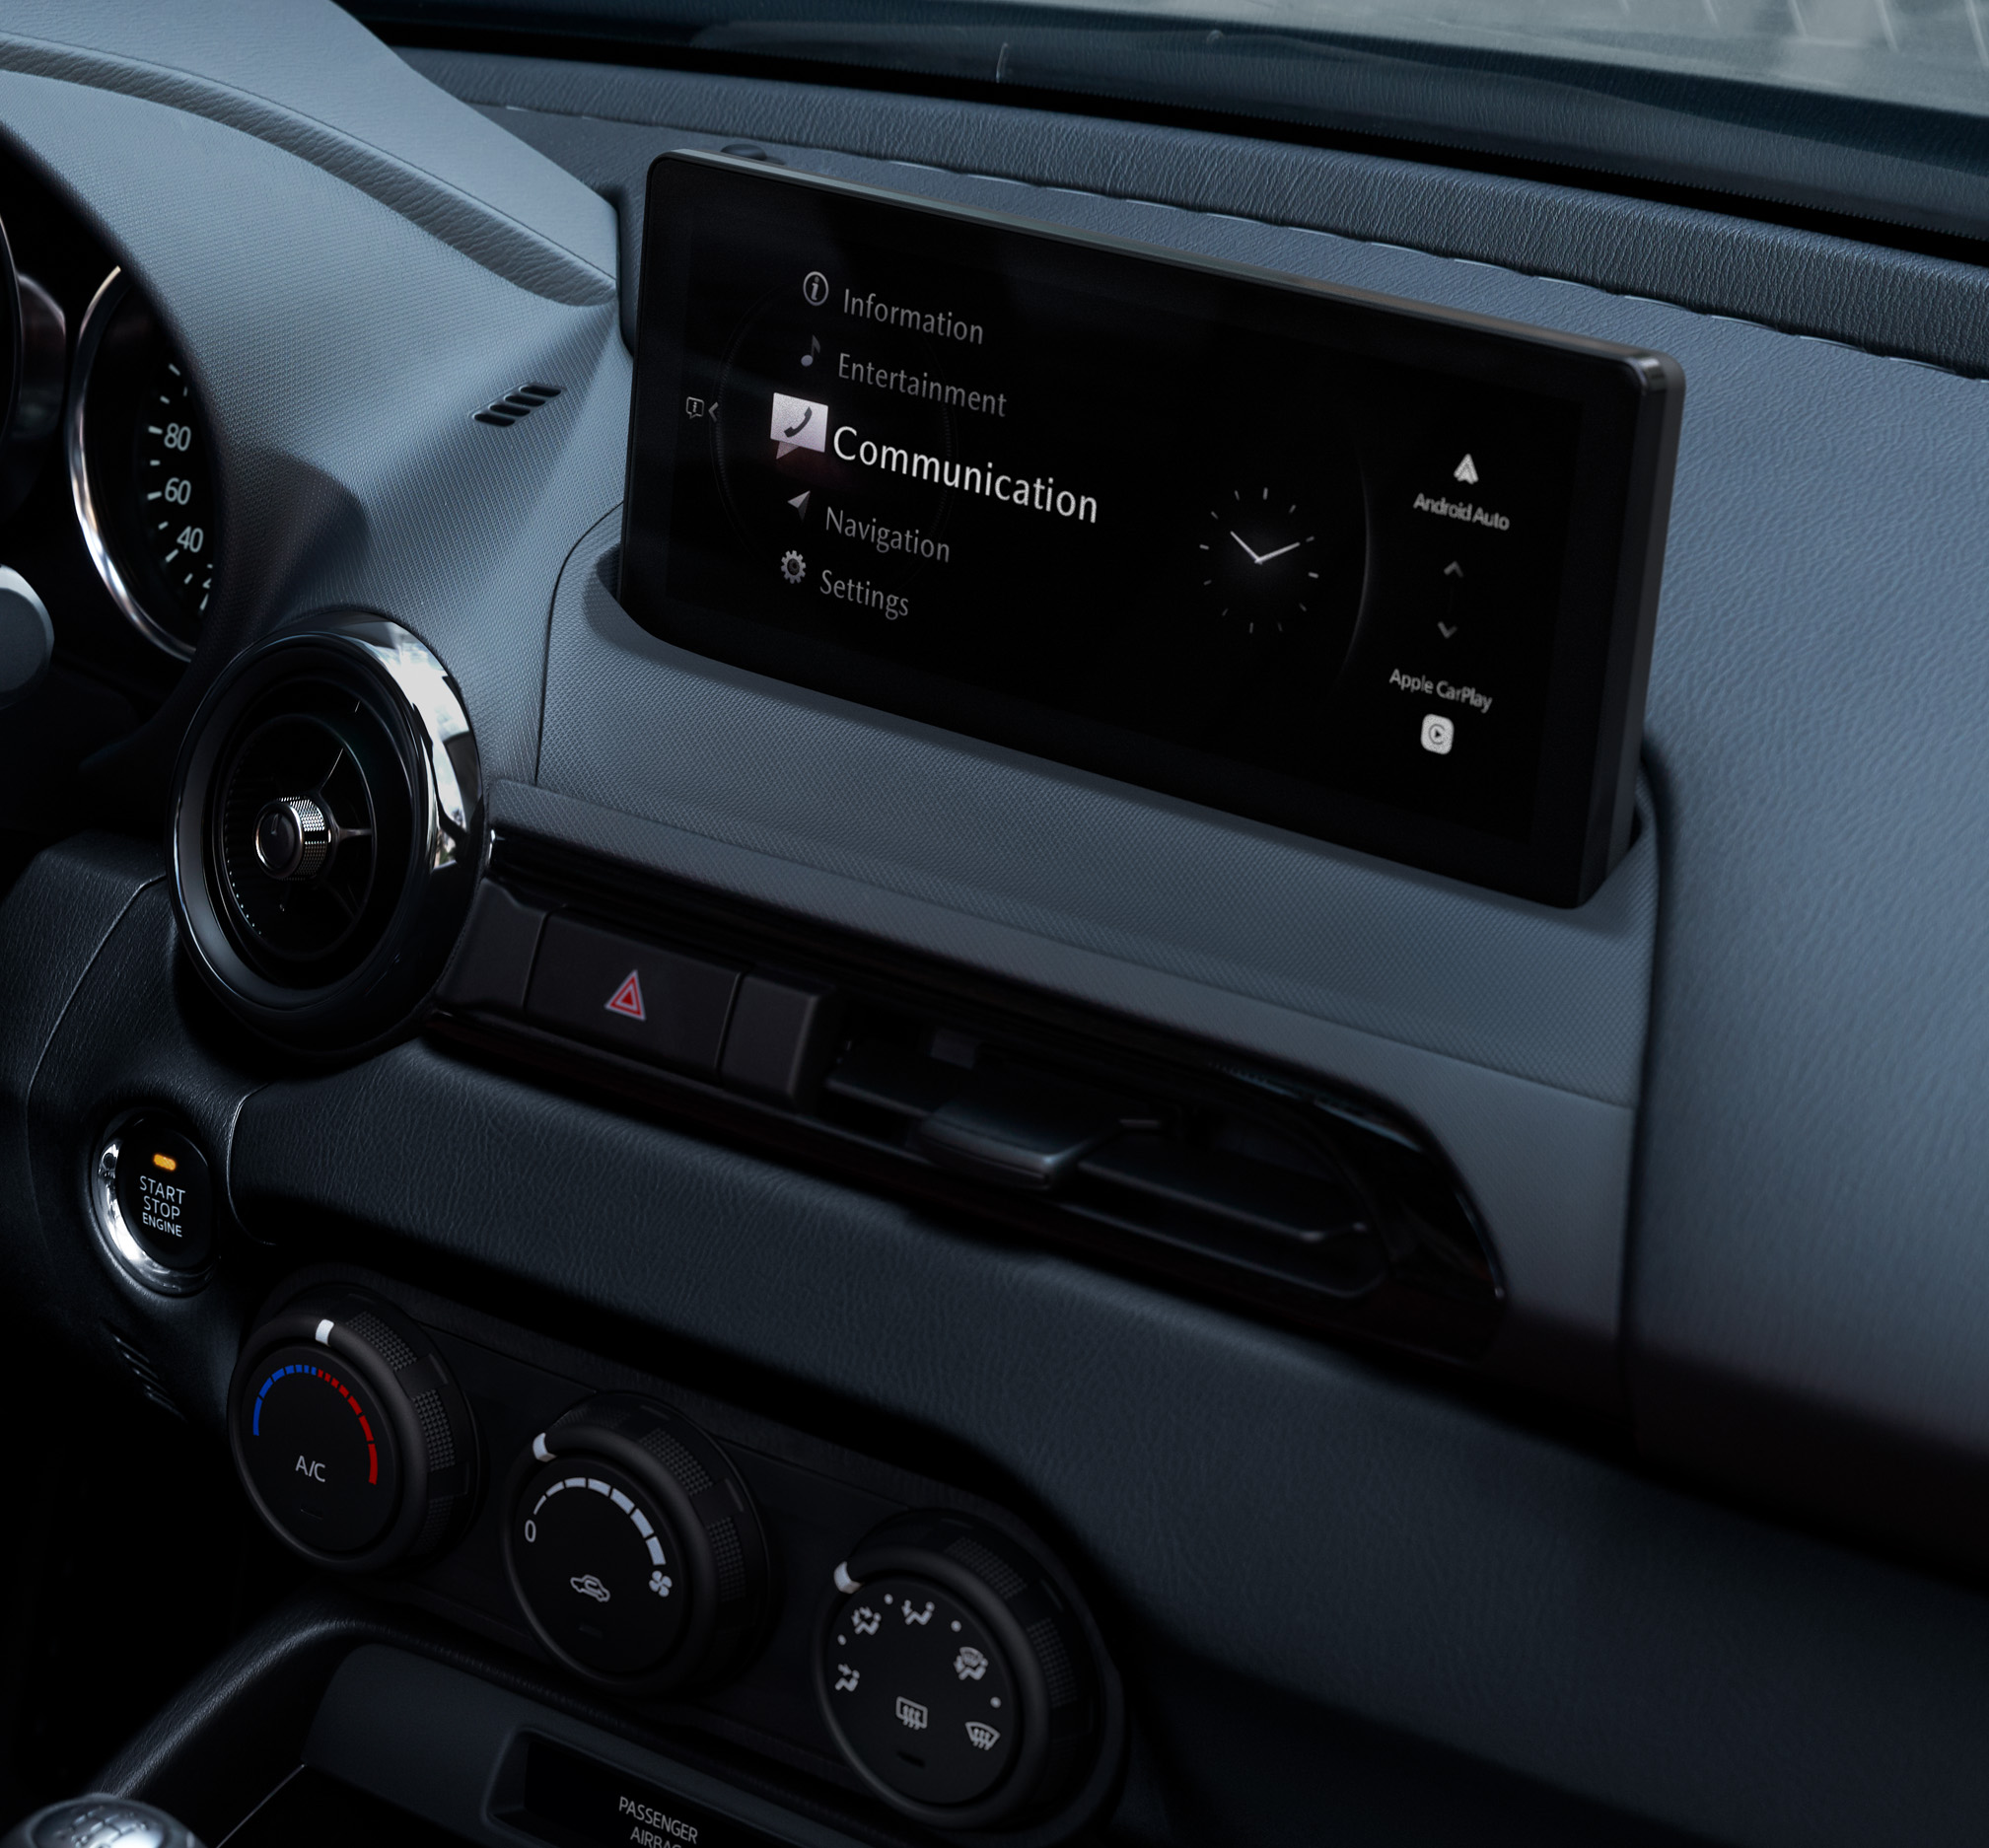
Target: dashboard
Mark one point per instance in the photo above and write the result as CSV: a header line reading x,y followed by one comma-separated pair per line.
x,y
633,1048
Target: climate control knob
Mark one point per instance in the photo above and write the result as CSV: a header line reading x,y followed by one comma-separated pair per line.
x,y
956,1678
634,1549
350,1434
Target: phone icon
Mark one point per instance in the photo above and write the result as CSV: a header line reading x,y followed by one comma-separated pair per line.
x,y
798,424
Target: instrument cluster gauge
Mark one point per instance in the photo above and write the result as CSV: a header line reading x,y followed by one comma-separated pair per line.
x,y
140,469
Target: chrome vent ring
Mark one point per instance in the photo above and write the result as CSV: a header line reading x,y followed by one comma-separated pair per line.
x,y
328,832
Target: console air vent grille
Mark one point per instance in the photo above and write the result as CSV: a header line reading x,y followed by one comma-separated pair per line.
x,y
1138,1148
328,832
143,1372
315,748
508,409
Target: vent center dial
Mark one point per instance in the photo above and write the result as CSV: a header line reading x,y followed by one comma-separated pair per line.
x,y
634,1549
602,1566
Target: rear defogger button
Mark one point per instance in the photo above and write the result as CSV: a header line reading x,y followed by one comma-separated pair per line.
x,y
651,1003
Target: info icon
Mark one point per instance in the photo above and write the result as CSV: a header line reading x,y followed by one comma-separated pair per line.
x,y
1439,734
814,288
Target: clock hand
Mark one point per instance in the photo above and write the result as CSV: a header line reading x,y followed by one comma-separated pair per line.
x,y
1254,559
1279,553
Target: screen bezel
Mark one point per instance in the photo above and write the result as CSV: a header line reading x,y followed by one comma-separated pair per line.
x,y
1592,731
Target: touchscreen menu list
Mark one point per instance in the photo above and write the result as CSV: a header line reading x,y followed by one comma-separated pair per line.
x,y
1280,550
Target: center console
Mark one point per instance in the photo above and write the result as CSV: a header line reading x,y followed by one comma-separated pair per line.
x,y
771,1638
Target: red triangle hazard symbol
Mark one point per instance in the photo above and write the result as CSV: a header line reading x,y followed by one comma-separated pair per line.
x,y
627,999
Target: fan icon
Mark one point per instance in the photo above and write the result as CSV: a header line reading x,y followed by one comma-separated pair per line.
x,y
794,567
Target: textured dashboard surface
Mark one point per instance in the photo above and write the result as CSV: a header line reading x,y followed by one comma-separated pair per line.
x,y
1258,1502
1507,1028
340,345
1812,1177
1812,1161
593,118
312,81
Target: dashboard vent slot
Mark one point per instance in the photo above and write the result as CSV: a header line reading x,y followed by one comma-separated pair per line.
x,y
143,1372
1135,1147
508,409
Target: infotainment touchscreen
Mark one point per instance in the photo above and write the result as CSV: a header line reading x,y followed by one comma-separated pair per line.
x,y
1371,571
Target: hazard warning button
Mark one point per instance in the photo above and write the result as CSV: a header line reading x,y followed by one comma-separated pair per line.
x,y
627,998
637,998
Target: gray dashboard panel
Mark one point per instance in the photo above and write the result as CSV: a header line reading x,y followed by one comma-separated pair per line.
x,y
1813,1177
1771,814
340,349
310,79
1514,1032
595,119
1324,1529
1812,1166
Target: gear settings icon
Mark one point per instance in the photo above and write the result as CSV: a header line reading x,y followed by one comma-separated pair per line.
x,y
793,567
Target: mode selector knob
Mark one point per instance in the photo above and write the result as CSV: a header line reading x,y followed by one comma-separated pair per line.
x,y
634,1549
351,1436
960,1684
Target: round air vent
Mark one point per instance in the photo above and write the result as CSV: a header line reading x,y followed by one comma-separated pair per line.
x,y
328,827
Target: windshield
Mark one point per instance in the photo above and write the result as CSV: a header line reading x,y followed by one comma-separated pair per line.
x,y
1857,110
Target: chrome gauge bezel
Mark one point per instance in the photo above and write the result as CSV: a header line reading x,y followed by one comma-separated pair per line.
x,y
102,311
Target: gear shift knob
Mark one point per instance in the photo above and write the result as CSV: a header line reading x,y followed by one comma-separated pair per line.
x,y
100,1822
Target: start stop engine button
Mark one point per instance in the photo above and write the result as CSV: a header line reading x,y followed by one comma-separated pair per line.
x,y
166,1193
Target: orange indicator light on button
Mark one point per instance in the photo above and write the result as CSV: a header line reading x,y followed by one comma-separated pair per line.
x,y
164,1160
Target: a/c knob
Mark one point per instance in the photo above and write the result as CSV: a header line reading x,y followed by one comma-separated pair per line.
x,y
350,1434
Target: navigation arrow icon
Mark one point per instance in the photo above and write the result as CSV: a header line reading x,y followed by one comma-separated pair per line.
x,y
800,502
